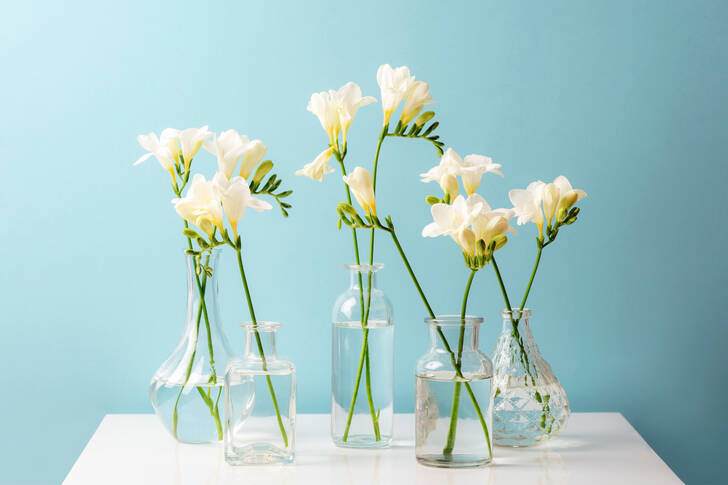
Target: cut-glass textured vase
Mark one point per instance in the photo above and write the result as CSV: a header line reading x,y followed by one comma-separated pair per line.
x,y
529,404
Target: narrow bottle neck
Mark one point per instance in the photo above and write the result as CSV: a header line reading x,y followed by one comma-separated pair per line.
x,y
519,319
264,339
361,279
202,289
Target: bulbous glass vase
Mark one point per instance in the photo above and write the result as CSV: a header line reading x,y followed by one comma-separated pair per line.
x,y
453,396
260,402
530,406
362,366
186,391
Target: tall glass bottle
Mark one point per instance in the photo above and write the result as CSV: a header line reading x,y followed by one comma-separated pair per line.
x,y
530,405
260,402
186,391
362,366
453,396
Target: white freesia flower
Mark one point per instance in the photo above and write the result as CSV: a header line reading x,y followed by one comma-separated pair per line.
x,y
228,147
360,183
527,204
473,168
253,153
190,141
349,100
201,206
325,106
553,197
394,84
470,170
450,164
235,196
468,221
319,167
451,219
159,149
417,97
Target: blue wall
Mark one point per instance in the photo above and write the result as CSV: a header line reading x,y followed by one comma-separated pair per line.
x,y
626,98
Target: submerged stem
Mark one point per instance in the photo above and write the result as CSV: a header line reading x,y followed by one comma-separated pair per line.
x,y
440,334
450,443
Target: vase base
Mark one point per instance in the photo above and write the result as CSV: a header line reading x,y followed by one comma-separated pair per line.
x,y
363,441
453,461
258,454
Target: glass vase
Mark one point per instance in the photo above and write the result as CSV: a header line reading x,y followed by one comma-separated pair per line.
x,y
260,402
453,396
186,391
530,405
362,366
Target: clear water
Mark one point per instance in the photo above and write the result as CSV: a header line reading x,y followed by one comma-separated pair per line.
x,y
434,398
252,430
347,345
195,421
522,418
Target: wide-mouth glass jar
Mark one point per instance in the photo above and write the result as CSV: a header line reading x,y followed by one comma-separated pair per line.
x,y
453,396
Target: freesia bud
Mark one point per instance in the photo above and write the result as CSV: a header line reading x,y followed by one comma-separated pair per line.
x,y
252,155
417,97
500,241
449,185
466,238
567,201
561,216
360,183
550,200
424,118
431,199
262,170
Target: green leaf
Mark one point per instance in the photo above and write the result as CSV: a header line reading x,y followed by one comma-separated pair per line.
x,y
431,199
431,128
284,194
262,170
424,118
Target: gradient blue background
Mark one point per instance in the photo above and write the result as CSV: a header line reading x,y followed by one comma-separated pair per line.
x,y
626,98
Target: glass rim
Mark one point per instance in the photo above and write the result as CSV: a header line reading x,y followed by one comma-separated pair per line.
x,y
453,320
526,312
364,268
261,326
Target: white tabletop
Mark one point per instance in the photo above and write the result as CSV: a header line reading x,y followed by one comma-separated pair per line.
x,y
595,448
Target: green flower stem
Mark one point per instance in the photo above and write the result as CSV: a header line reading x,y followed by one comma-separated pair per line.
x,y
454,363
202,310
259,343
514,323
450,444
530,281
545,408
364,360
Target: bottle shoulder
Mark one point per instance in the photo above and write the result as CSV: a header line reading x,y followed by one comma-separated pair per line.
x,y
242,365
474,364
